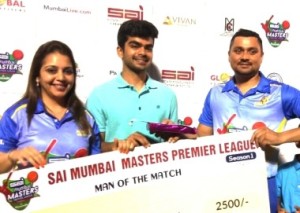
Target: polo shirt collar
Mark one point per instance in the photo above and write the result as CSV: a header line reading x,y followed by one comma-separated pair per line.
x,y
150,83
39,107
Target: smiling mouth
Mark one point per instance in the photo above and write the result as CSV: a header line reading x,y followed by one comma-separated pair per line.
x,y
245,65
60,87
141,62
141,58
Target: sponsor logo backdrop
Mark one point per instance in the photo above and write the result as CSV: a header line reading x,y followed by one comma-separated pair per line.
x,y
190,54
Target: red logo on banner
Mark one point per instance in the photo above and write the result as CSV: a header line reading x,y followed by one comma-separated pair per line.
x,y
178,75
125,13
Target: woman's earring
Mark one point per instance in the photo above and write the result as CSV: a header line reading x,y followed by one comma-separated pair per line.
x,y
37,83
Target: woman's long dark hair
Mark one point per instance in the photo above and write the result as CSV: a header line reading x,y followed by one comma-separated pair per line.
x,y
32,93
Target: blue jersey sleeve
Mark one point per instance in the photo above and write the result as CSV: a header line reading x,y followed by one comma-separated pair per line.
x,y
8,131
290,101
95,143
206,115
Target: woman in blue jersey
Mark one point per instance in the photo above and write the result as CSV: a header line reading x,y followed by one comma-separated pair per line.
x,y
49,123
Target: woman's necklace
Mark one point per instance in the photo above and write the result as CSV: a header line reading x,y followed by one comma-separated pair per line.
x,y
57,112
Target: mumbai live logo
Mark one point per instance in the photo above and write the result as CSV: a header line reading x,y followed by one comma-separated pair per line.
x,y
178,78
116,16
276,32
9,64
18,193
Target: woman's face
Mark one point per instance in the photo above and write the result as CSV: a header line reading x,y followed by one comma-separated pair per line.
x,y
57,77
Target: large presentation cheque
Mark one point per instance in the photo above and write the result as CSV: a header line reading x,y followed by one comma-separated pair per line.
x,y
223,173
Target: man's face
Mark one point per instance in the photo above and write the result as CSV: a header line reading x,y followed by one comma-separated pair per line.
x,y
245,55
137,53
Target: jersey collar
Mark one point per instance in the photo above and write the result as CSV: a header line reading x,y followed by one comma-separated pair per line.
x,y
263,85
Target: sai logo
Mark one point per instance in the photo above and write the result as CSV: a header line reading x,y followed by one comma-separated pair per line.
x,y
116,16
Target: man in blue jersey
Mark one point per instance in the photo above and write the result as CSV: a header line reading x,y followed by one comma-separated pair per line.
x,y
123,106
250,101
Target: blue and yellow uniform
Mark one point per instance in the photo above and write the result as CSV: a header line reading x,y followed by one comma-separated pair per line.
x,y
44,129
270,104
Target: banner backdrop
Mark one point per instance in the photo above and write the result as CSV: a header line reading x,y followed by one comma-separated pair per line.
x,y
212,174
190,54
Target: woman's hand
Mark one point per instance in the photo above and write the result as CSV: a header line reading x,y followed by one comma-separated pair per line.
x,y
26,157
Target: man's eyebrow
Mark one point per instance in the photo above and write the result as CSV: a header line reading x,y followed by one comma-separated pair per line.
x,y
140,44
134,42
243,48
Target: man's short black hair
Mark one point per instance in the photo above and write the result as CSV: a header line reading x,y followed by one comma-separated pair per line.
x,y
246,33
139,28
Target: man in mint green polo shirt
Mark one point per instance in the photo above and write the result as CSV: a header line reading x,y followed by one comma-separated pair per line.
x,y
123,106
